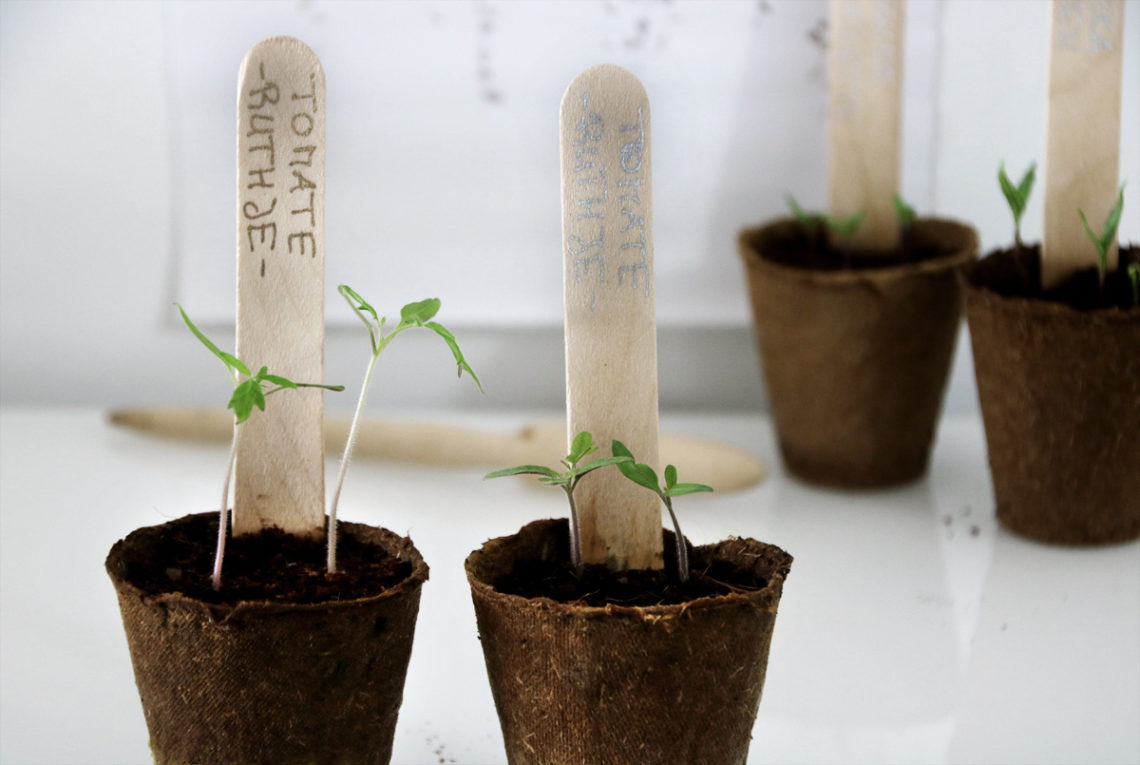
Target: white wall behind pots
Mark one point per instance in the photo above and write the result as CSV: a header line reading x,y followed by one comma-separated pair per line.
x,y
116,187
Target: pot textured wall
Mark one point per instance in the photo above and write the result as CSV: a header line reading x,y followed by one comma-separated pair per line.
x,y
856,360
269,682
1060,396
662,684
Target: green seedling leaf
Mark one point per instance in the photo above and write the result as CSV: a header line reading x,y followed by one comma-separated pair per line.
x,y
1103,241
904,213
523,470
1017,196
247,394
845,227
362,309
232,362
581,445
600,463
356,302
670,477
419,313
1134,277
639,473
804,217
461,362
681,489
285,382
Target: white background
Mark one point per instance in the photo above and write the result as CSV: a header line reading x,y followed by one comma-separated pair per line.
x,y
904,636
116,185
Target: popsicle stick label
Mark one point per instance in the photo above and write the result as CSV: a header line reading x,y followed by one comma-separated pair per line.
x,y
1082,161
865,79
611,338
279,468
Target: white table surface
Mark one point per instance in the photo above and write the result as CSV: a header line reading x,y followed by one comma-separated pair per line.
x,y
912,629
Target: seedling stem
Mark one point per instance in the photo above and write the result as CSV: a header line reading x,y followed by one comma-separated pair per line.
x,y
412,315
247,394
644,475
581,447
1103,241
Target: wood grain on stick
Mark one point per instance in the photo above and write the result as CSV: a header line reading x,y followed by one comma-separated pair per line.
x,y
611,336
865,119
1082,159
279,470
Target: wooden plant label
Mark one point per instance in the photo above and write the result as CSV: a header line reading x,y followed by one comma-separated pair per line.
x,y
865,78
611,335
1082,152
279,467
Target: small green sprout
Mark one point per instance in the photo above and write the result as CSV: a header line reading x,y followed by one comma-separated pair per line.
x,y
904,213
1134,277
1017,197
581,447
643,475
1103,241
842,227
809,220
845,227
419,314
247,394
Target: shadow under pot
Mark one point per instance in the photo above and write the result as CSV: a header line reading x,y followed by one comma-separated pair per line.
x,y
856,347
1059,387
259,681
576,683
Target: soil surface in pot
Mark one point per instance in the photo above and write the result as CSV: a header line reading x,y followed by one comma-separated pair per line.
x,y
599,586
801,247
270,566
1018,274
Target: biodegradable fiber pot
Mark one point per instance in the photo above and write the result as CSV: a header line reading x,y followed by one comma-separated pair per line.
x,y
1059,389
856,359
262,682
578,684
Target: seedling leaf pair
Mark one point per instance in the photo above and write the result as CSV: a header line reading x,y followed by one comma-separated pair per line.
x,y
1017,196
581,446
1103,241
903,212
843,227
644,475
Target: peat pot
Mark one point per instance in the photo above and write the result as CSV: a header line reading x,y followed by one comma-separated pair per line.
x,y
1059,389
855,359
577,684
264,682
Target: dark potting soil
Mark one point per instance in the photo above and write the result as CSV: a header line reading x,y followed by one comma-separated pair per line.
x,y
270,566
1018,274
598,585
801,246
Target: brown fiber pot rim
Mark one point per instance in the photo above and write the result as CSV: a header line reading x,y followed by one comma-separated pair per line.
x,y
957,244
1042,309
777,561
392,543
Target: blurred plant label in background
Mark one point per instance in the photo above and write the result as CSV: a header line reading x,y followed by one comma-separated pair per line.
x,y
1082,134
279,469
865,118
